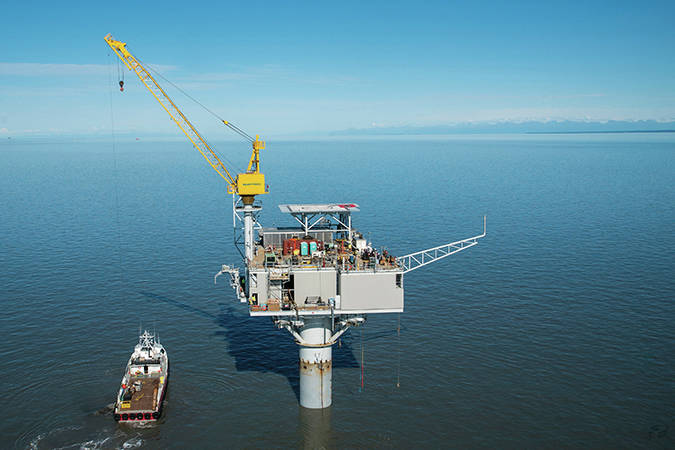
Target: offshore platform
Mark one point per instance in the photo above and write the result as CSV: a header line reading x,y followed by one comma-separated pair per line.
x,y
315,279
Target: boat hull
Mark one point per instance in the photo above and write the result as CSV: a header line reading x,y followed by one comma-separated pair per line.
x,y
144,384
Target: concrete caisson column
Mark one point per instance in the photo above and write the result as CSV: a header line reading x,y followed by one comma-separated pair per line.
x,y
316,363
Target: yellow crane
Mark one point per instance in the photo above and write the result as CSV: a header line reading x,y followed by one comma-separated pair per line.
x,y
248,184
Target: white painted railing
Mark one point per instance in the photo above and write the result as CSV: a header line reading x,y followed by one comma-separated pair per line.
x,y
423,257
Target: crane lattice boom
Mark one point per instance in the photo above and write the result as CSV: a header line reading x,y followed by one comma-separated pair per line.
x,y
248,184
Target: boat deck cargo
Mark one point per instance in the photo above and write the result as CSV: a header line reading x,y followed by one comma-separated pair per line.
x,y
144,383
144,395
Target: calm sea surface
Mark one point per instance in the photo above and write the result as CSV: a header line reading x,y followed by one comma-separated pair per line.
x,y
557,330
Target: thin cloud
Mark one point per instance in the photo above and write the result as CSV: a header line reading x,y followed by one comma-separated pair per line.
x,y
41,69
199,81
264,74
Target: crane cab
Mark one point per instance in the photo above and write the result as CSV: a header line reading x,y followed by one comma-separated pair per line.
x,y
251,184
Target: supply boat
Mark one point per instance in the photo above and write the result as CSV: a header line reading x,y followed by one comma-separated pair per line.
x,y
144,383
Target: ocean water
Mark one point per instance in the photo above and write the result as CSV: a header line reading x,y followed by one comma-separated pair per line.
x,y
555,331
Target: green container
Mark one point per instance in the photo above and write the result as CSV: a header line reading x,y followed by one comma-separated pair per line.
x,y
304,248
312,247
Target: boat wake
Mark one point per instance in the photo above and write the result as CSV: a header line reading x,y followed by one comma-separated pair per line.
x,y
107,409
67,438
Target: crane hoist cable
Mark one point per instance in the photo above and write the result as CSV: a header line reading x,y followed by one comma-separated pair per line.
x,y
120,74
246,184
229,124
156,72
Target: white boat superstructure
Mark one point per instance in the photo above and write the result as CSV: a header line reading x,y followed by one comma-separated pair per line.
x,y
144,383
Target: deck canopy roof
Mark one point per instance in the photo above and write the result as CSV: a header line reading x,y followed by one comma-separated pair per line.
x,y
319,208
315,215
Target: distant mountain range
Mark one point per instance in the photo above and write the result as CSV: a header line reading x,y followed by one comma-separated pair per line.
x,y
534,127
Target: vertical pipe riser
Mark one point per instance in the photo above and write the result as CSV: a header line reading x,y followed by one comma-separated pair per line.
x,y
248,234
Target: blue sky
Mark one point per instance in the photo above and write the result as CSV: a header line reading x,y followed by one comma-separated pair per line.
x,y
285,68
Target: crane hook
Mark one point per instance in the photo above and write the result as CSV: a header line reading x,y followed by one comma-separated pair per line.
x,y
121,86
